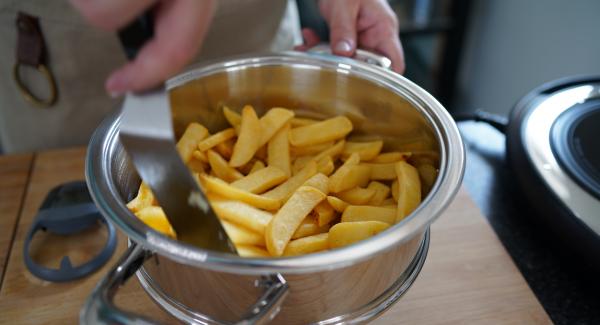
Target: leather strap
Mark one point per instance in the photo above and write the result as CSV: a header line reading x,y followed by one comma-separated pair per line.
x,y
31,49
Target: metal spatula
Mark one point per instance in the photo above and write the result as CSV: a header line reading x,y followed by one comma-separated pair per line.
x,y
146,132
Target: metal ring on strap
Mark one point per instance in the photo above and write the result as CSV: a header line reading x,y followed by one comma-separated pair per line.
x,y
26,92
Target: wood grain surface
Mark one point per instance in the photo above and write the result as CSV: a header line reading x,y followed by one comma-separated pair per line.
x,y
468,277
14,174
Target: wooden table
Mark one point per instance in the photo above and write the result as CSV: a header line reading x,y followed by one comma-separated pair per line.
x,y
468,277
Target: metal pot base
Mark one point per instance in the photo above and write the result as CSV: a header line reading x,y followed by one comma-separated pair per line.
x,y
364,314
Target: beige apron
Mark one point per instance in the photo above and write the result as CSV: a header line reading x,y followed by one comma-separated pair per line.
x,y
81,58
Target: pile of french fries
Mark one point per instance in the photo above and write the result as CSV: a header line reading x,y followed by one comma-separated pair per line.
x,y
284,185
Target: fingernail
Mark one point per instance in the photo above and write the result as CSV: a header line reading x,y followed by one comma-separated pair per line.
x,y
116,85
115,94
343,46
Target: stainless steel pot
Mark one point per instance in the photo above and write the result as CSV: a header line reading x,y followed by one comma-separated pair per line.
x,y
352,284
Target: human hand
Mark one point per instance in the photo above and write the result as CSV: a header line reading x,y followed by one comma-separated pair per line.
x,y
368,24
179,29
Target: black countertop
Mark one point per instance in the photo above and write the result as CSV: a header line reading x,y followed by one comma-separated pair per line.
x,y
566,287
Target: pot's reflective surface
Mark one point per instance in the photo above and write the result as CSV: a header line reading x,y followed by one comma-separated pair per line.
x,y
379,102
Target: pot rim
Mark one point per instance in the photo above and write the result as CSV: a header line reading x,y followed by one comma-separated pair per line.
x,y
452,160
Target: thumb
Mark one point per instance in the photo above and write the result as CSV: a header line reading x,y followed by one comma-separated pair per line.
x,y
342,26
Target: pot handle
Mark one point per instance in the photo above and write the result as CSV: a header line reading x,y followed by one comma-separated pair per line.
x,y
100,309
359,55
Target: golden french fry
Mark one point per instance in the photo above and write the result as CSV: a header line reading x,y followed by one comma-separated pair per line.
x,y
381,192
382,171
200,155
427,174
309,227
300,163
225,190
258,165
248,141
366,150
318,181
307,245
327,130
225,148
310,150
242,236
301,121
249,251
144,199
337,204
409,189
186,145
234,119
325,213
261,180
215,139
282,192
289,217
242,214
389,202
325,166
262,153
395,191
349,175
357,195
221,168
278,150
155,218
391,157
332,152
196,165
347,233
369,213
272,121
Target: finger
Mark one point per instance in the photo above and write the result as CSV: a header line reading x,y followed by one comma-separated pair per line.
x,y
180,28
392,48
310,37
111,14
342,16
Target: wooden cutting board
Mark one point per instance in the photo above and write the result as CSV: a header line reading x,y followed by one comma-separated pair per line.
x,y
468,277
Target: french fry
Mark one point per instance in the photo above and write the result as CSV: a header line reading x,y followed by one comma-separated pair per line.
x,y
249,251
278,150
221,168
347,233
282,192
234,119
357,195
272,121
248,141
382,171
215,139
225,148
144,199
366,150
325,213
332,152
307,245
349,175
301,121
300,163
192,135
395,190
289,217
310,150
381,193
409,189
155,218
325,166
261,180
391,157
200,155
427,174
225,190
196,165
369,213
262,153
242,236
318,181
337,204
242,214
331,129
258,165
389,202
309,227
